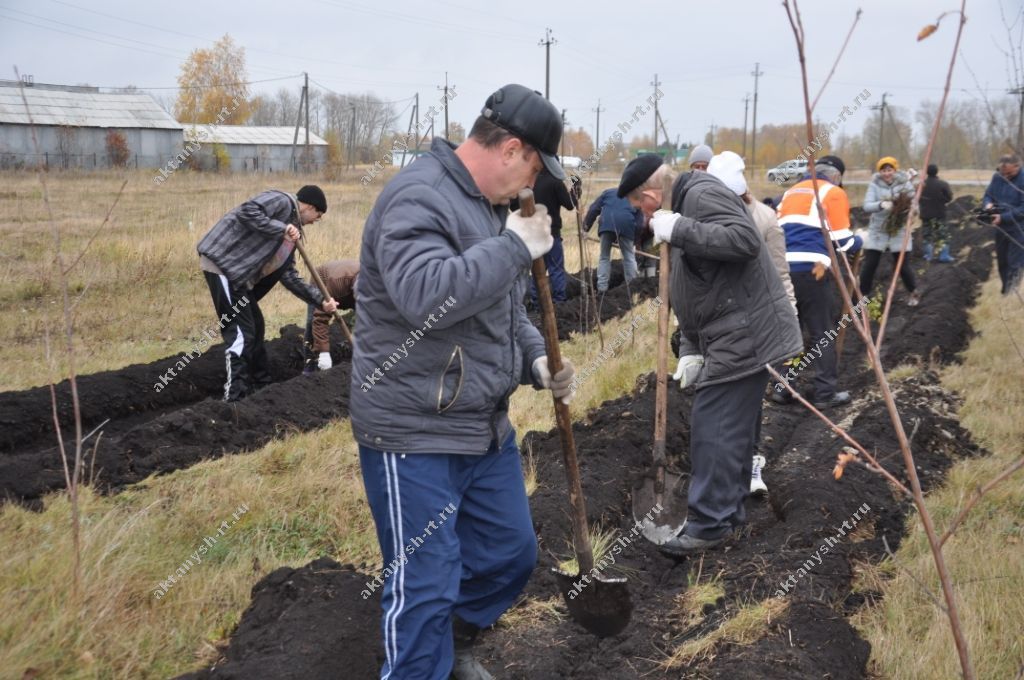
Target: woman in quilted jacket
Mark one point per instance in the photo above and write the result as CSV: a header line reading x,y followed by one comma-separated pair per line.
x,y
887,200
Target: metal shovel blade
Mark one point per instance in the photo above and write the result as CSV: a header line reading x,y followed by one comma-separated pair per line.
x,y
599,604
659,527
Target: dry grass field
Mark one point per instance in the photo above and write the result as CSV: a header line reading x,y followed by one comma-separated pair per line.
x,y
143,298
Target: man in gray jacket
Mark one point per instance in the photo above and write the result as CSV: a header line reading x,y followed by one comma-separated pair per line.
x,y
443,343
242,257
735,317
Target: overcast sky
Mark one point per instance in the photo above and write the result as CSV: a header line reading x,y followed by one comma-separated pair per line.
x,y
703,53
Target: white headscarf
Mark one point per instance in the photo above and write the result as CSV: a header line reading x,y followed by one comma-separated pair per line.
x,y
728,167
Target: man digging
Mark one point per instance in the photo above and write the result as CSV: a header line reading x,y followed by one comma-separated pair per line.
x,y
242,257
443,343
735,317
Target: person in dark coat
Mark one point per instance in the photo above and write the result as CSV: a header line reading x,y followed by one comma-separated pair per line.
x,y
735,318
1005,194
553,194
242,257
620,223
934,230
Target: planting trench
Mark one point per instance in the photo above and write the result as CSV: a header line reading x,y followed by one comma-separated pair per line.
x,y
312,622
152,431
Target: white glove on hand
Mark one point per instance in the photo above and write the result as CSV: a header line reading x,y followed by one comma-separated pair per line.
x,y
534,231
662,224
687,370
886,205
324,361
559,384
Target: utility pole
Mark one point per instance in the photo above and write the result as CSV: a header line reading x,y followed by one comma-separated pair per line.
x,y
547,42
295,139
1020,121
445,88
655,84
753,128
713,128
746,105
881,122
305,91
597,133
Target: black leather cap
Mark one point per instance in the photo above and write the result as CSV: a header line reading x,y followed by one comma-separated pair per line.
x,y
638,171
835,161
526,114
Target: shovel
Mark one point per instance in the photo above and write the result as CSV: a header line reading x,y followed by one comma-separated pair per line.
x,y
599,604
657,497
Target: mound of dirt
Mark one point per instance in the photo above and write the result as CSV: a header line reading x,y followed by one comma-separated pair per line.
x,y
174,438
807,508
309,624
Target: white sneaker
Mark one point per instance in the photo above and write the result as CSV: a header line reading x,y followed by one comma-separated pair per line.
x,y
757,485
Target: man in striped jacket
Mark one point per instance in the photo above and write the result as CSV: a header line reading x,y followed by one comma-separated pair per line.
x,y
809,265
242,257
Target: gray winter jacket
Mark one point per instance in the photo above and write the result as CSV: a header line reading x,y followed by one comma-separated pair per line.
x,y
877,192
726,292
443,337
248,236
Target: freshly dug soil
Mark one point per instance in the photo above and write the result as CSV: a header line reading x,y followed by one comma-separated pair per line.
x,y
186,421
312,607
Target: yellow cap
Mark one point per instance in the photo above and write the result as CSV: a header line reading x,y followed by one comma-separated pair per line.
x,y
887,160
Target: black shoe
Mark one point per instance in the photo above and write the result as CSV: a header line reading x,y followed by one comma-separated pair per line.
x,y
783,397
837,399
684,544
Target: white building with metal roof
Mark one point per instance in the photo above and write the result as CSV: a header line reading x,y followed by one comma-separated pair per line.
x,y
73,126
249,148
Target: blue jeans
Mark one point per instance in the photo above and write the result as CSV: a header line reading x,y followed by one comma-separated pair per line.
x,y
456,536
604,263
555,262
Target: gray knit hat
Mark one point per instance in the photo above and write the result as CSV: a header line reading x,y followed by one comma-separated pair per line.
x,y
701,153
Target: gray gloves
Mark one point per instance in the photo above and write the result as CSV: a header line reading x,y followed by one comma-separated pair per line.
x,y
534,231
560,384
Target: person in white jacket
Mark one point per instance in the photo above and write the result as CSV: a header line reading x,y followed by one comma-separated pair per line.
x,y
888,191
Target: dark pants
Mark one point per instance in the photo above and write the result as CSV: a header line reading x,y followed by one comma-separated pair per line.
x,y
725,425
870,263
555,262
242,328
472,562
1010,256
814,309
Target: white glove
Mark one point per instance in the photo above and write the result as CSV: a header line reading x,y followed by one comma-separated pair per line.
x,y
687,370
662,224
561,383
324,361
534,231
886,205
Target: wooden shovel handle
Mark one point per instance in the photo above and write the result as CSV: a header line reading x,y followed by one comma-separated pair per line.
x,y
661,389
581,530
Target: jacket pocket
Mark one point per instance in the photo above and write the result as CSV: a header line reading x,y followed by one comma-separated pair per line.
x,y
727,346
450,382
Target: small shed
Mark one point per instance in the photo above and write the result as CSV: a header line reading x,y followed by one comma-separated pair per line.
x,y
252,148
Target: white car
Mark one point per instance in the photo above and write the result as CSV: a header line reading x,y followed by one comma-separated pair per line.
x,y
783,172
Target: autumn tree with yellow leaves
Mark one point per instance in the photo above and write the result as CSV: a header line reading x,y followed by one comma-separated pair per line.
x,y
213,85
